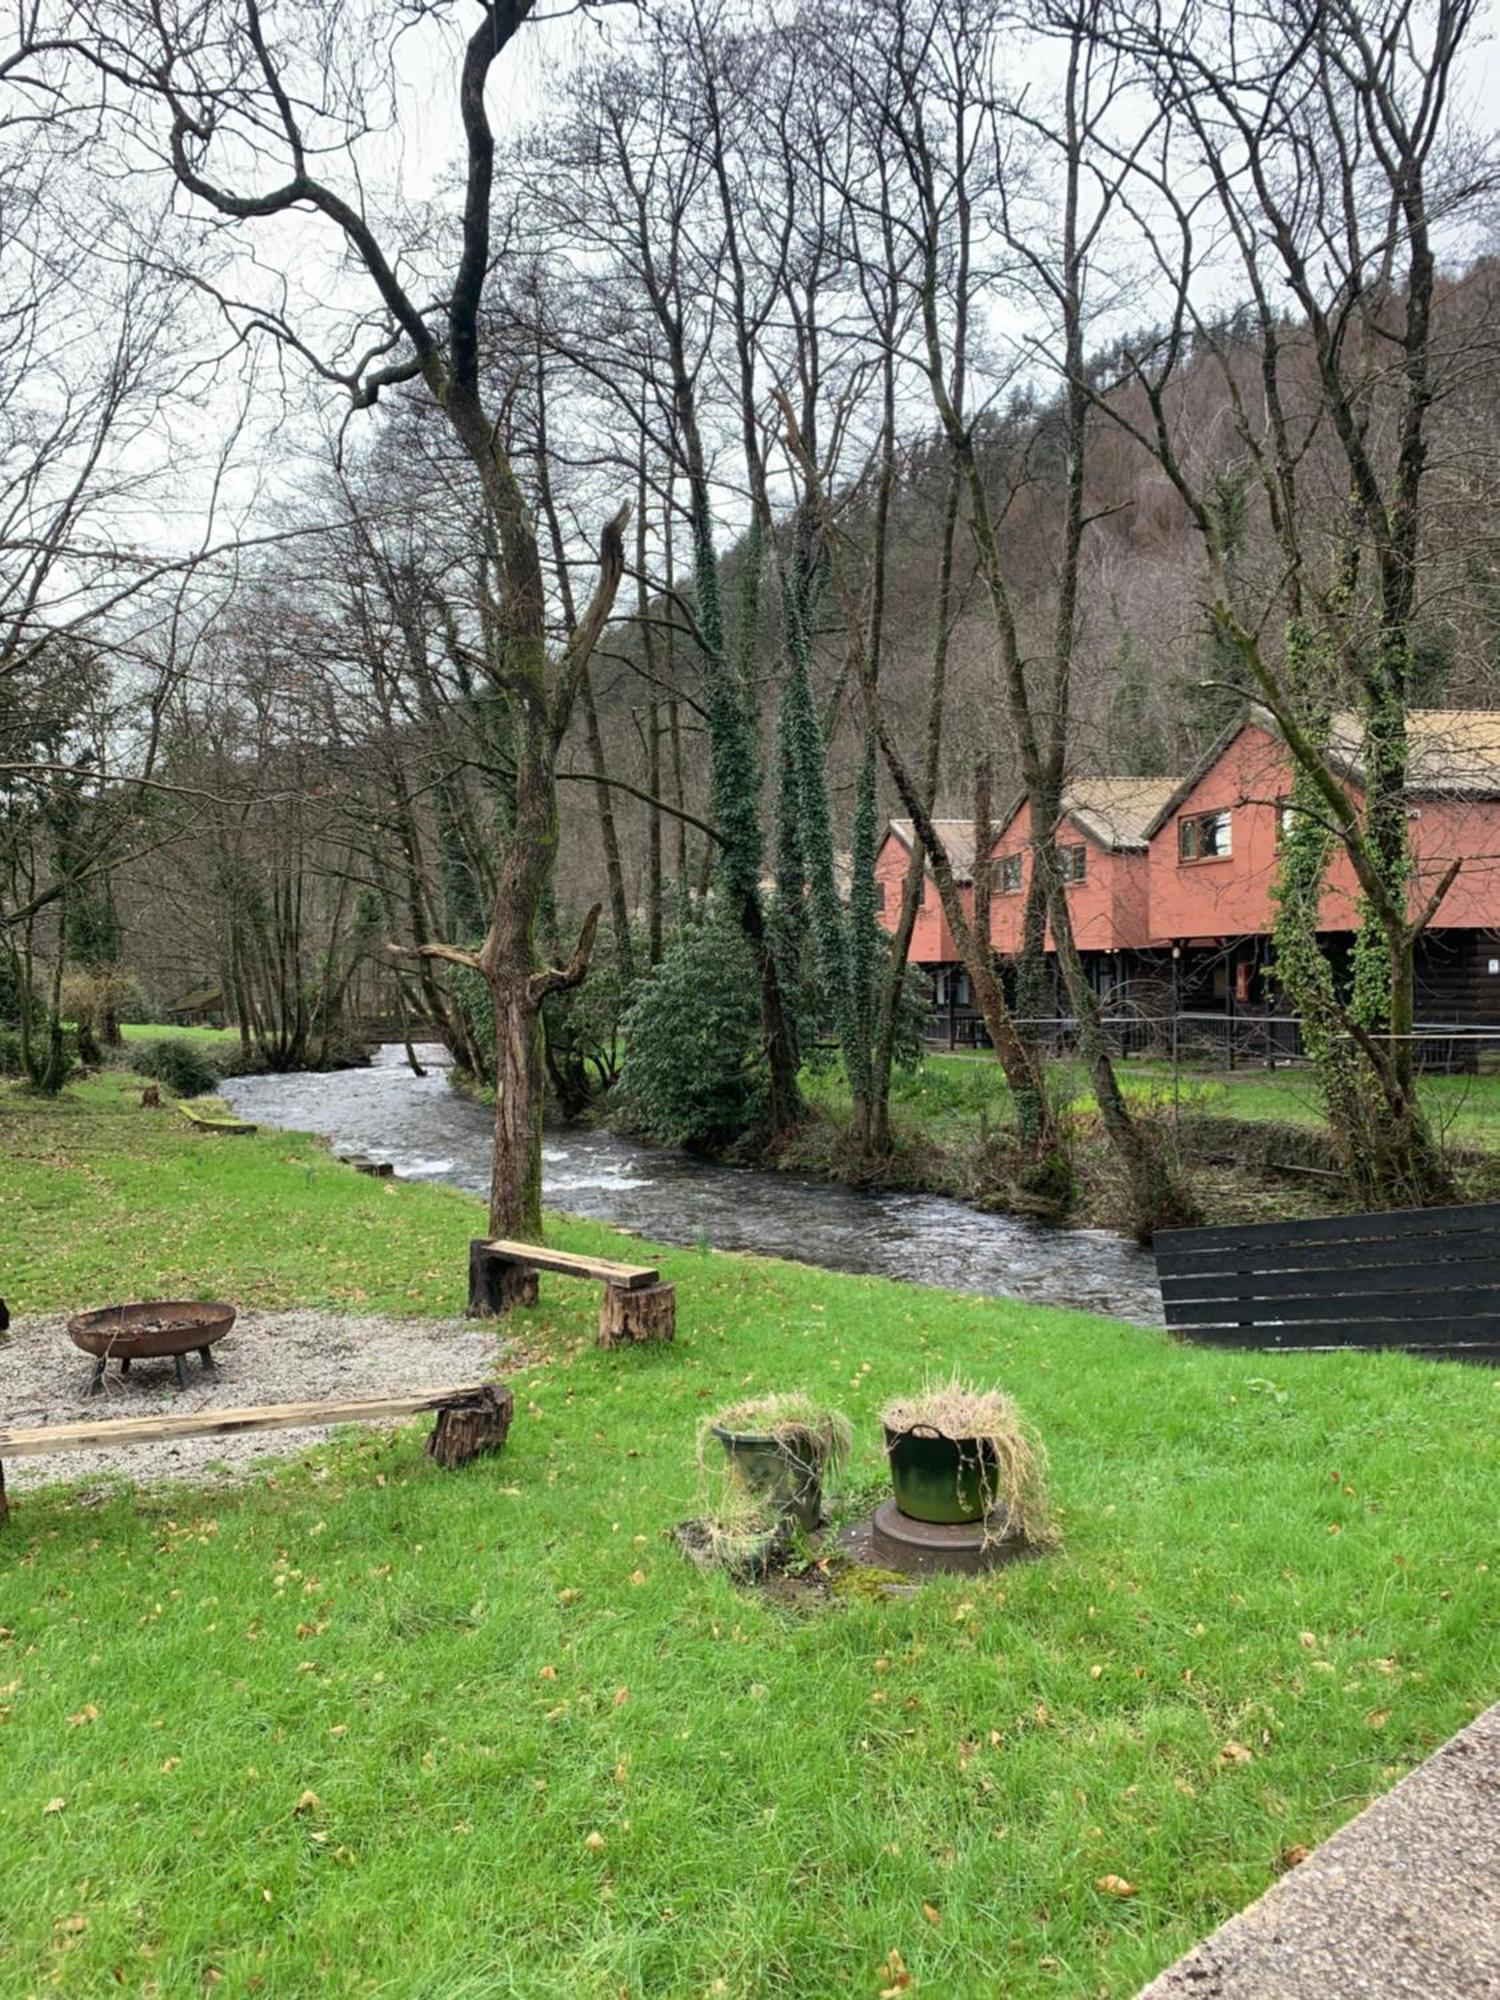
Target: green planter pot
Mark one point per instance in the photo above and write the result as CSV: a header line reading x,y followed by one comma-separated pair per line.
x,y
764,1466
942,1479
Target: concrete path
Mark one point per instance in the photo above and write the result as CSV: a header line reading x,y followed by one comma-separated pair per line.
x,y
1403,1901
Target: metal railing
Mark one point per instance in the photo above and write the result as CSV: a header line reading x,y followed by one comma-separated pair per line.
x,y
1200,1040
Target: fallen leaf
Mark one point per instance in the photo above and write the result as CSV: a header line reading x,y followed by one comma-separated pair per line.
x,y
1114,1885
1293,1857
86,1714
71,1924
54,1805
622,1695
593,1842
1377,1718
895,1973
170,1763
933,1915
547,1674
1236,1753
637,1577
1307,1638
309,1802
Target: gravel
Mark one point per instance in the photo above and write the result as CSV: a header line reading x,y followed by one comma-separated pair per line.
x,y
290,1357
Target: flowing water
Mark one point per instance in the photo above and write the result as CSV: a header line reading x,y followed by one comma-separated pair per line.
x,y
428,1132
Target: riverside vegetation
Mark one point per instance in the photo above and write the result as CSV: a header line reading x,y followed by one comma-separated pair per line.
x,y
500,1708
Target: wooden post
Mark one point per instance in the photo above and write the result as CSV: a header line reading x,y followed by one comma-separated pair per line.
x,y
475,1424
497,1283
648,1313
4,1503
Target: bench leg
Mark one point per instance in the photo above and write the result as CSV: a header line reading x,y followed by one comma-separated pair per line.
x,y
476,1424
496,1283
627,1318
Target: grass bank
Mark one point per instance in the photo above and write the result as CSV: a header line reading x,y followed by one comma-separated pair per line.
x,y
354,1727
951,1114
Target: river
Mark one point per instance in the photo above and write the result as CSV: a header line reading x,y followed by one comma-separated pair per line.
x,y
429,1133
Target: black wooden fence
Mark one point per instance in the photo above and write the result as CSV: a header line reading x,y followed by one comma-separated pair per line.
x,y
1424,1279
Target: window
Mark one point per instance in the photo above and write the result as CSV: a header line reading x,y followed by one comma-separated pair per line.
x,y
880,898
1204,837
962,996
1073,863
1010,874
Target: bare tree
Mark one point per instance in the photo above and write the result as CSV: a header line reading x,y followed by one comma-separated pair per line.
x,y
254,112
1322,147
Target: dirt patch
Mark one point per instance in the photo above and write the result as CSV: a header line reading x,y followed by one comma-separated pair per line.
x,y
289,1357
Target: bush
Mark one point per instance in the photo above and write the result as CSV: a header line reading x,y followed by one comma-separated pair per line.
x,y
178,1063
694,1071
10,1052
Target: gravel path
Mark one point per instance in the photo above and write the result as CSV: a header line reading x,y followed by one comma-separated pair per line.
x,y
289,1357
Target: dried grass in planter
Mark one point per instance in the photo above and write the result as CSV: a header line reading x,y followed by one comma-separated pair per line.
x,y
744,1530
987,1418
814,1436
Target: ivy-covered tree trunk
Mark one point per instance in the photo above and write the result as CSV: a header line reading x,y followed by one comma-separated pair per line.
x,y
831,926
883,1058
1359,1039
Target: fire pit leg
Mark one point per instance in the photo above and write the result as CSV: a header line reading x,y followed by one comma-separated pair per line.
x,y
206,1356
125,1364
96,1380
182,1375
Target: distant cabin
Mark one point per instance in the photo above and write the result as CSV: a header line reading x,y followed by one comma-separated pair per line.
x,y
1170,881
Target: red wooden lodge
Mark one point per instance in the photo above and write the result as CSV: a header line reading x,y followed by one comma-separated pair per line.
x,y
1170,882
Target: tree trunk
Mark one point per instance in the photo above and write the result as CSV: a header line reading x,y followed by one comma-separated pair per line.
x,y
516,1173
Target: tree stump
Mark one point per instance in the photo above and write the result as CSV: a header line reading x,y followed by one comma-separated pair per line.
x,y
626,1317
472,1425
151,1097
497,1283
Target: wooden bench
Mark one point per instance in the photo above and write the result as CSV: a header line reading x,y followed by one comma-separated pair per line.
x,y
469,1421
1424,1279
637,1305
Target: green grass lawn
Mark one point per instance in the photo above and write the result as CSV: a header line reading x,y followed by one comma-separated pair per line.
x,y
354,1727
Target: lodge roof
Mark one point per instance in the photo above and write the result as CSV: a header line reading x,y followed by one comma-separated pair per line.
x,y
1451,753
957,836
1117,811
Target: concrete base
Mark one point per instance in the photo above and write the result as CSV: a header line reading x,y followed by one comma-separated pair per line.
x,y
1401,1904
889,1540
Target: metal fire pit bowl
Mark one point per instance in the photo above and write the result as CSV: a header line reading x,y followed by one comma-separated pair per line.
x,y
146,1331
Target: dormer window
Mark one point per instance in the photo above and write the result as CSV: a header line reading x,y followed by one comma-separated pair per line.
x,y
1073,863
1010,874
1204,837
